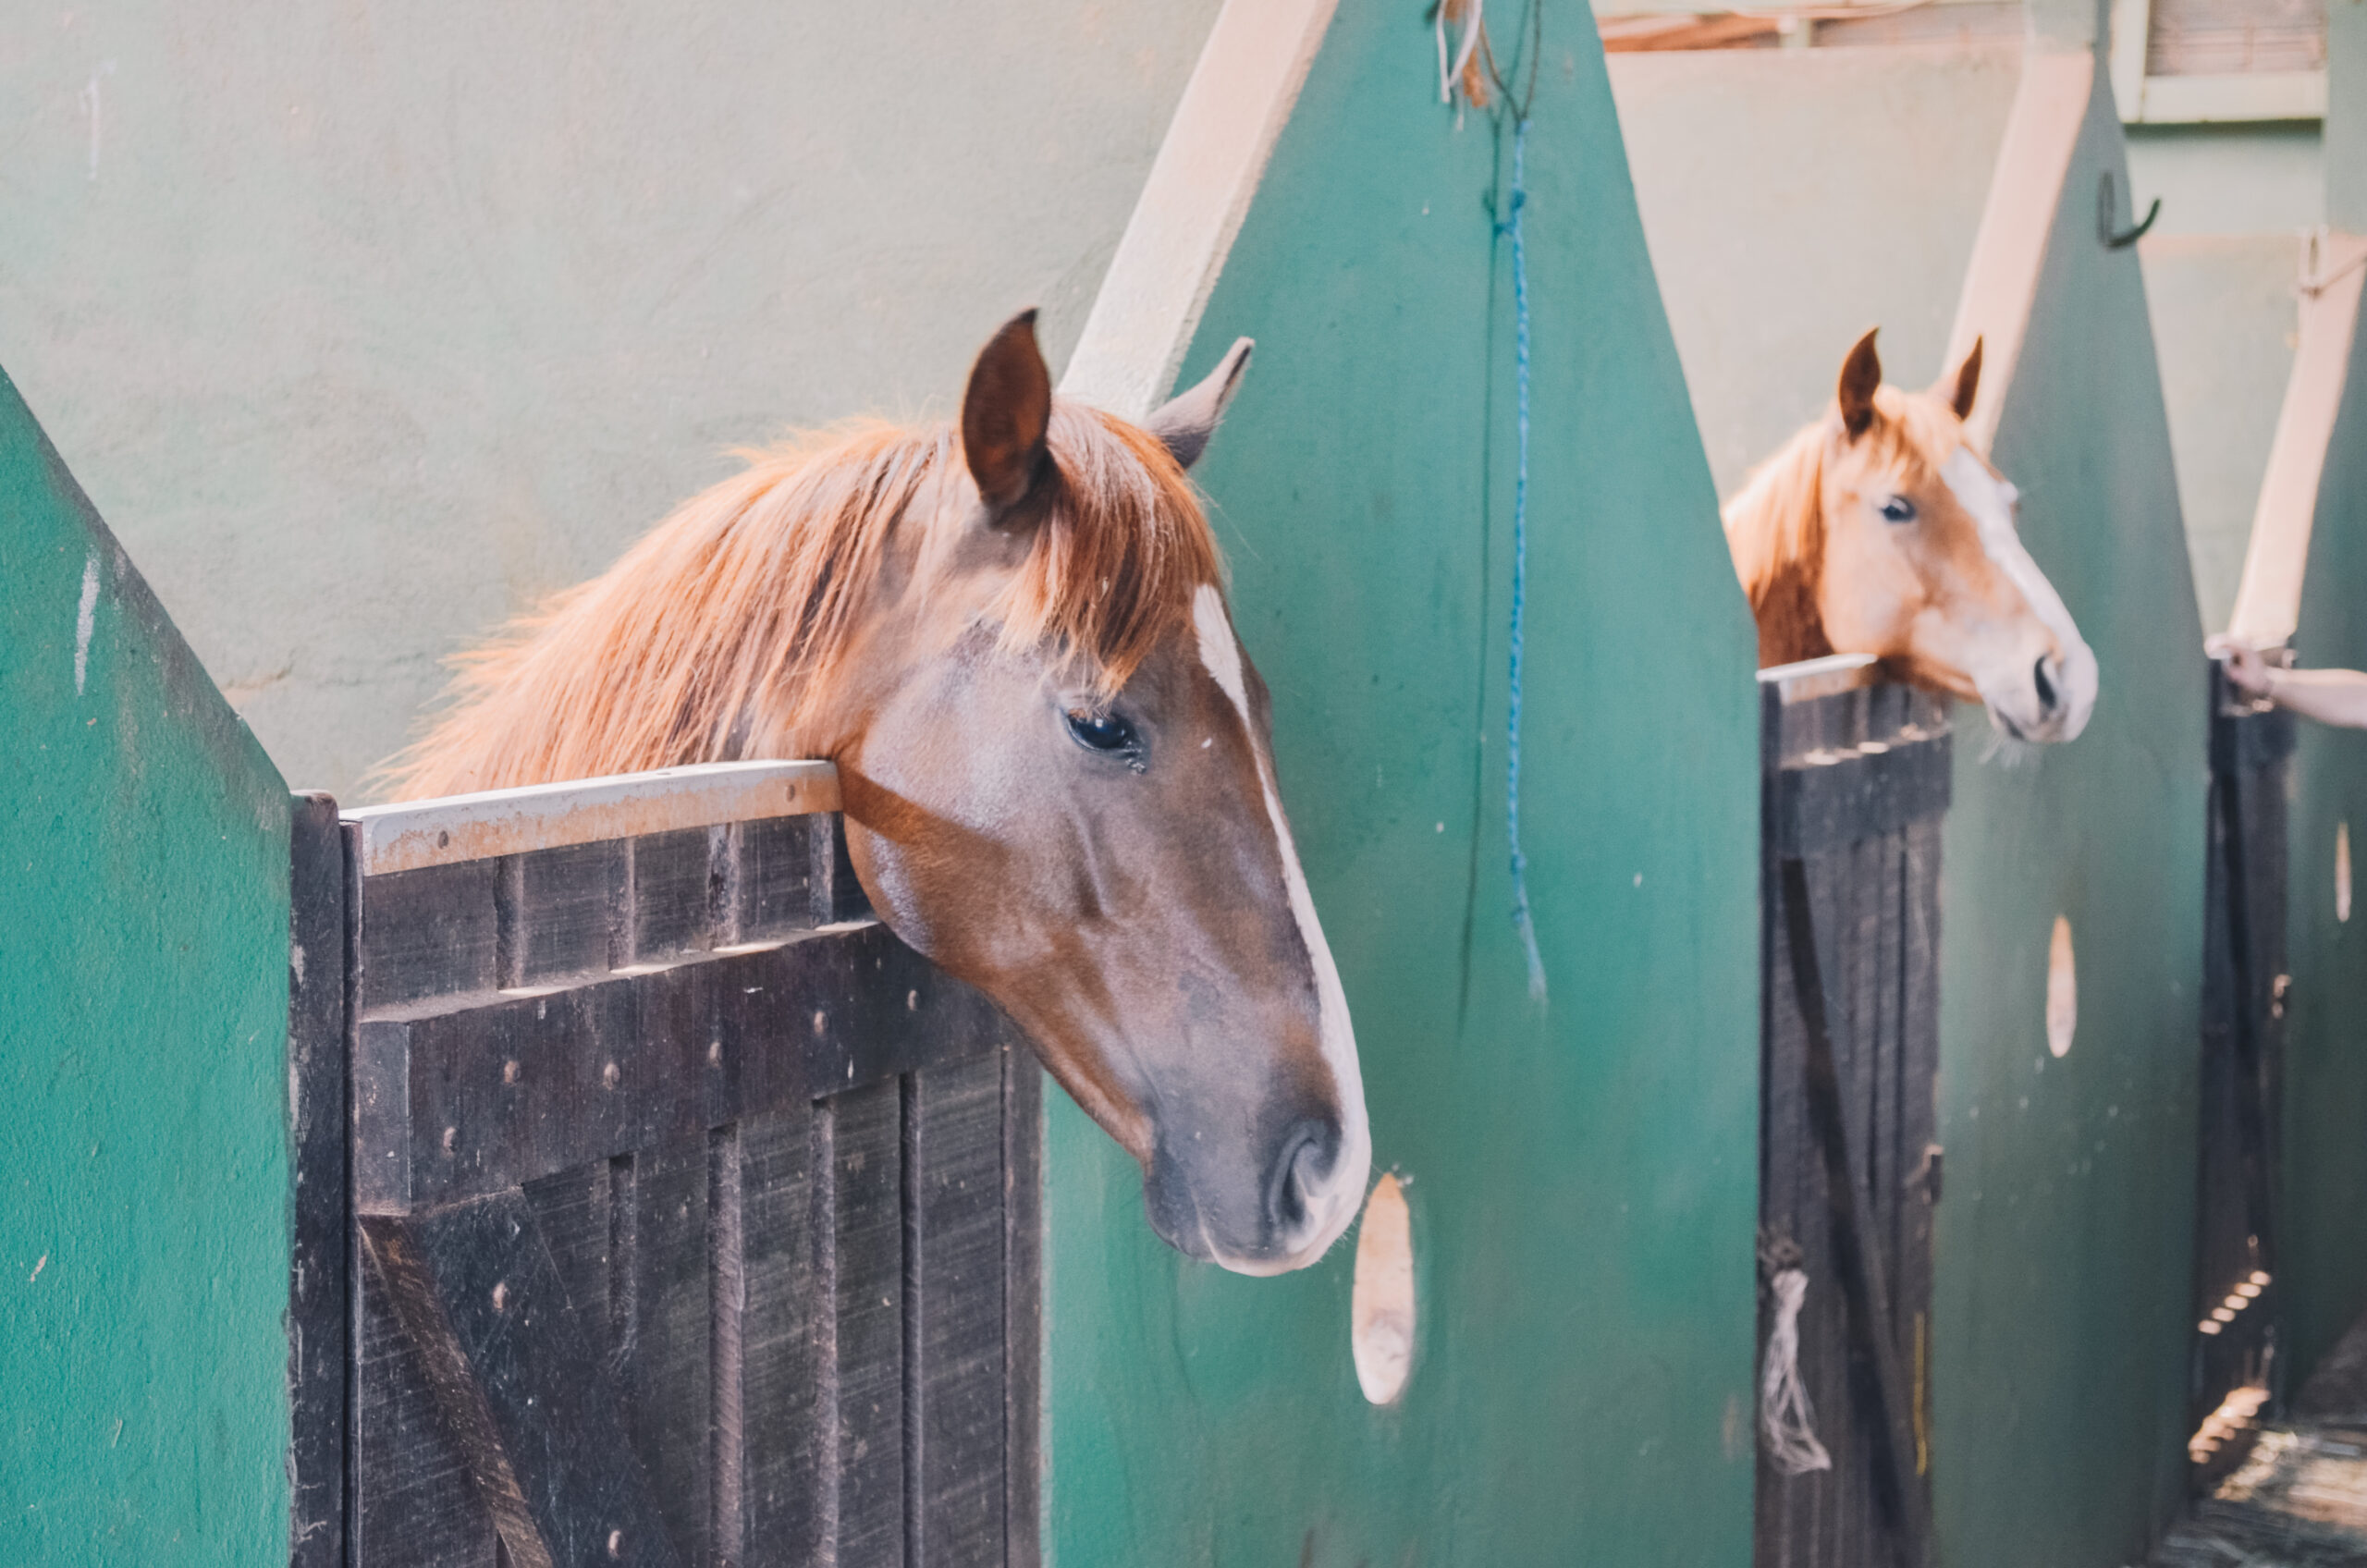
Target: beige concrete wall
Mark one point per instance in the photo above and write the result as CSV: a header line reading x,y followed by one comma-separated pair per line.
x,y
1794,198
366,325
2224,316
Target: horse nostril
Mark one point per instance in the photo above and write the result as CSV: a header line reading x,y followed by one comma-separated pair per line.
x,y
1305,1157
2046,698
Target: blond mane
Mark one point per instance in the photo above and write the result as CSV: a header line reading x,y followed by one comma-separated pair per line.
x,y
1775,524
725,631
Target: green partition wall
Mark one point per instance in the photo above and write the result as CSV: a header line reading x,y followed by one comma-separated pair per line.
x,y
1582,1174
2061,1314
143,1094
2324,1263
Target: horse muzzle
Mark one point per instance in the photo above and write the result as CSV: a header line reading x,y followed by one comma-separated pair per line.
x,y
1259,1211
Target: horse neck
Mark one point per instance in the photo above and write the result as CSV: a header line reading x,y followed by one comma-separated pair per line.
x,y
1775,531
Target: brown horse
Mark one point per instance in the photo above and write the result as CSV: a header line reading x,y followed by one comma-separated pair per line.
x,y
1056,761
1879,529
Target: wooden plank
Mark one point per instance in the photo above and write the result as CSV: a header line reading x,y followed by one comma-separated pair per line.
x,y
458,1097
577,1215
772,1445
563,912
1023,1167
866,1206
430,932
408,836
664,1361
519,1384
776,876
671,916
318,1269
415,1504
2268,600
954,1313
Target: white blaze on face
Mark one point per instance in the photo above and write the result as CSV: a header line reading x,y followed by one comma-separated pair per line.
x,y
1990,500
1335,1204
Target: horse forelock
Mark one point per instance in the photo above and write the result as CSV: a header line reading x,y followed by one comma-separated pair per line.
x,y
1119,558
726,630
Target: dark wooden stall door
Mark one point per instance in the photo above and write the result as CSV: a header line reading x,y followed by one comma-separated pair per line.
x,y
1854,787
2236,1371
692,1214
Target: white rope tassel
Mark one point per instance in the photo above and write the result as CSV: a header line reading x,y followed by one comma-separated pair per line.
x,y
1785,1420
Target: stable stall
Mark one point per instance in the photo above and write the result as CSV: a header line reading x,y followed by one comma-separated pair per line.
x,y
1793,199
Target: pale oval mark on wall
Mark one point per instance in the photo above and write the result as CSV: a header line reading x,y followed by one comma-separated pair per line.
x,y
2342,872
2062,989
1380,1314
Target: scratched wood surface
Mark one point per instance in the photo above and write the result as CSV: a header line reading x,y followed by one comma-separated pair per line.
x,y
1854,789
694,1219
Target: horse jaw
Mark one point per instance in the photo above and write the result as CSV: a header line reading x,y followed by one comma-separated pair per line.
x,y
2006,684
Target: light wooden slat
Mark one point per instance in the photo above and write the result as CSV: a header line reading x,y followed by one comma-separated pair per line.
x,y
2268,600
543,816
1231,112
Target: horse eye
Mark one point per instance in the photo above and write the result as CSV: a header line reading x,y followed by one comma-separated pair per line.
x,y
1898,509
1103,732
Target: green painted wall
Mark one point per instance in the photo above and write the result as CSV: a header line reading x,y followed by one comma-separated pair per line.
x,y
1582,1177
370,324
2326,1104
144,1090
2061,1314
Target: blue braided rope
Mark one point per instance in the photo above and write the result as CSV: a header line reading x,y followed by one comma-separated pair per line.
x,y
1522,921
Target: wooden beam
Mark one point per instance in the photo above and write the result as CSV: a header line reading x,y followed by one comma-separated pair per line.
x,y
2268,600
497,822
1232,113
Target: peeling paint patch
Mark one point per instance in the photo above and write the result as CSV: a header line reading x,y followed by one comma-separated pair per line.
x,y
86,620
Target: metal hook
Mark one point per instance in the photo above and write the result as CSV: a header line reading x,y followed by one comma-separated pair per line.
x,y
2114,238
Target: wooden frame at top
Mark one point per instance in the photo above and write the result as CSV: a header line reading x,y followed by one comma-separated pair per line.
x,y
2230,98
1232,111
2276,562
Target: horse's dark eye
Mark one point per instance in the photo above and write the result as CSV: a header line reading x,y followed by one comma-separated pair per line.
x,y
1898,509
1104,732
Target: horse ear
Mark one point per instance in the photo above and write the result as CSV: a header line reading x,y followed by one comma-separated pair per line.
x,y
1005,411
1187,420
1967,383
1861,375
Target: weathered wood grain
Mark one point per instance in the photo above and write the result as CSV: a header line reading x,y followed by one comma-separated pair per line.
x,y
954,1313
519,1384
415,1502
318,1265
776,1447
867,1142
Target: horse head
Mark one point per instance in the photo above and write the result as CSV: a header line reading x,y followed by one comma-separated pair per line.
x,y
1055,758
1880,530
1060,784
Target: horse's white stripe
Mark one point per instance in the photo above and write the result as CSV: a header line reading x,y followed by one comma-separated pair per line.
x,y
1991,502
1220,653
